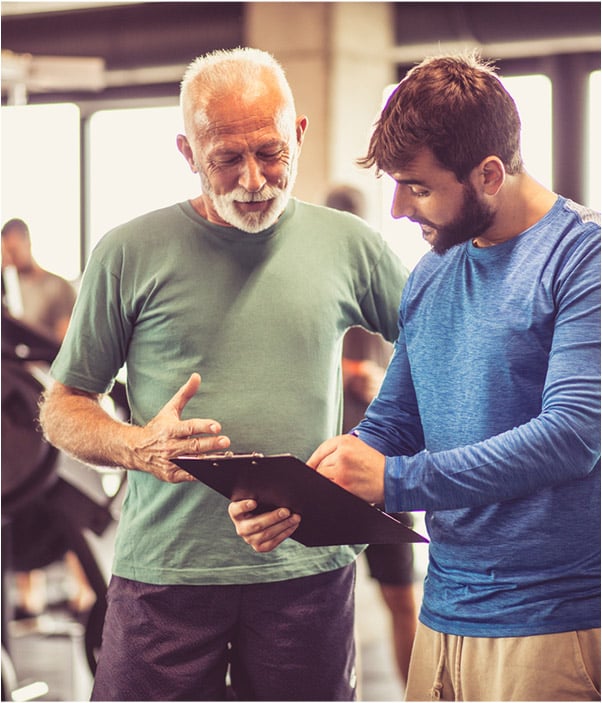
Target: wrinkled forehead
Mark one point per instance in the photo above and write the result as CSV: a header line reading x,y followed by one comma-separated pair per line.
x,y
236,115
239,94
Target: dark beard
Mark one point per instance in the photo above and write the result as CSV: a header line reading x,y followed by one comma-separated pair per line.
x,y
475,217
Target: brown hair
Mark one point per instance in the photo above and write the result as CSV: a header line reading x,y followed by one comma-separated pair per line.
x,y
458,108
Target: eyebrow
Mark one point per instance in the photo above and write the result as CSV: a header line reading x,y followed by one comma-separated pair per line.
x,y
227,149
411,182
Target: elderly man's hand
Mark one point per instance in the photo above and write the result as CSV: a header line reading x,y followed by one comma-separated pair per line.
x,y
167,436
263,532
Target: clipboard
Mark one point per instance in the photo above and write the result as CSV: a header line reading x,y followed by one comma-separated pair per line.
x,y
330,514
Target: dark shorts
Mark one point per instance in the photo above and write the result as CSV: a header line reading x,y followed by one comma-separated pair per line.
x,y
287,641
392,564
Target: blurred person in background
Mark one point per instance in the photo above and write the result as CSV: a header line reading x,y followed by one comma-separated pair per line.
x,y
44,302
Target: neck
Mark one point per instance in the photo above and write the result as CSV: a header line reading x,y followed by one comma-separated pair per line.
x,y
29,267
199,206
521,204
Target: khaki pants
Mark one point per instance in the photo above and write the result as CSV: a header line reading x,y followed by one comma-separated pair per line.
x,y
558,667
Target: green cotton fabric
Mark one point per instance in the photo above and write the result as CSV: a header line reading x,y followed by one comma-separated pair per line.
x,y
261,317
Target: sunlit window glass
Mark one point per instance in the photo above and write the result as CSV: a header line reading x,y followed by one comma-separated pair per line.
x,y
593,181
41,181
135,165
533,97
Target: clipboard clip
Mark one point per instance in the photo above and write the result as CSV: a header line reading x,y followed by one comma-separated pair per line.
x,y
232,455
221,456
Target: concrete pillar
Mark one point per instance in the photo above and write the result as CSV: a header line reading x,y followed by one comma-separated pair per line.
x,y
361,68
337,56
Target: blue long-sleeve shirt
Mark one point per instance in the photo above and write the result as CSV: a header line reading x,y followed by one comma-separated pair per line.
x,y
489,417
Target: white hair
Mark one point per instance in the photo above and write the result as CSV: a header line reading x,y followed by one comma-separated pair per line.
x,y
240,70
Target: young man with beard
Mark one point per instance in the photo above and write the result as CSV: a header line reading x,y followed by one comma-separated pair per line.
x,y
255,290
489,415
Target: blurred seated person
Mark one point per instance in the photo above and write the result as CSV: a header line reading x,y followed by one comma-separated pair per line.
x,y
365,358
46,299
44,302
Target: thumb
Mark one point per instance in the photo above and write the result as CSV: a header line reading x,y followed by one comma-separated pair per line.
x,y
184,394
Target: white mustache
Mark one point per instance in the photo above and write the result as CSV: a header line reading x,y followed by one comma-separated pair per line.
x,y
242,196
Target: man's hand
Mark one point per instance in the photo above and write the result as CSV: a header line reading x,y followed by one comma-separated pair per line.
x,y
262,532
75,421
166,436
353,465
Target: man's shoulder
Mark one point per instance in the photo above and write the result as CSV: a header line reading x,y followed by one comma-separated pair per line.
x,y
585,215
143,230
337,226
575,233
148,219
328,214
47,281
59,283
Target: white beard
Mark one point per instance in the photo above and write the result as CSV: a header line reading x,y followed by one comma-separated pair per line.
x,y
252,222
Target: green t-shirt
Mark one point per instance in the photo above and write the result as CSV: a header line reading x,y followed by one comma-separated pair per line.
x,y
261,317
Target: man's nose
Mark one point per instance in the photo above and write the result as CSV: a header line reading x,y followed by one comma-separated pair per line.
x,y
401,205
251,176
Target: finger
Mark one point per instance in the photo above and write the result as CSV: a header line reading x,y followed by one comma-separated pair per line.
x,y
327,470
240,508
264,526
325,449
267,539
171,473
275,541
193,446
180,476
197,426
184,394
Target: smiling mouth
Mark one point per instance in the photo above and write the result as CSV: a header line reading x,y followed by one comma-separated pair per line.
x,y
253,206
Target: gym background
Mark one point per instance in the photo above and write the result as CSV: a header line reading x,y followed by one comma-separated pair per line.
x,y
90,73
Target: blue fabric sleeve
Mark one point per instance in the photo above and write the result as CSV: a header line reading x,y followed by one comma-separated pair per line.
x,y
560,444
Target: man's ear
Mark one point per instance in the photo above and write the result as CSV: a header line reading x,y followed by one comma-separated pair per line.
x,y
489,176
301,127
186,150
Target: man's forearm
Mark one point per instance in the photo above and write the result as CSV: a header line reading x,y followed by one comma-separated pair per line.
x,y
74,421
78,425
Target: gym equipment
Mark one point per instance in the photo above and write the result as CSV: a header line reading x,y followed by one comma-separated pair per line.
x,y
43,514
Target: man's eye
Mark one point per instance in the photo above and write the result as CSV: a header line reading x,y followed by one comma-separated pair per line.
x,y
419,192
269,155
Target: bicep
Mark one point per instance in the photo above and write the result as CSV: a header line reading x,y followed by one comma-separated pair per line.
x,y
60,392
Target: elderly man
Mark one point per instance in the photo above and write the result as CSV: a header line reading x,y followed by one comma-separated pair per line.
x,y
253,289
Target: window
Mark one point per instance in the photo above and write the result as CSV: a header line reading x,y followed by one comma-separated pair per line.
x,y
135,165
41,181
533,97
592,157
